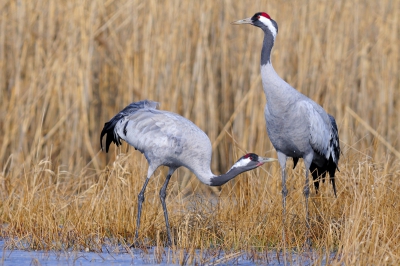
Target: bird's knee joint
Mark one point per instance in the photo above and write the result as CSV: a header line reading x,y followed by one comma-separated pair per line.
x,y
284,192
162,195
141,197
306,191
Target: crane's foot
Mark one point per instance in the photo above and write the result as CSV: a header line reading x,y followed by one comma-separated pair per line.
x,y
137,244
307,245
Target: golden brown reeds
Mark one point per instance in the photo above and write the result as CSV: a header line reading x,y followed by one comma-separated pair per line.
x,y
66,67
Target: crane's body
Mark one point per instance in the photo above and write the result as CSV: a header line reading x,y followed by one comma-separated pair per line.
x,y
296,125
162,137
170,140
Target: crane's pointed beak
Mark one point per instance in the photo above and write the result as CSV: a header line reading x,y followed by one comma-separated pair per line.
x,y
242,21
262,160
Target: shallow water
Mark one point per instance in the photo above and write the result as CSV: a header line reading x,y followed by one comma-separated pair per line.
x,y
146,257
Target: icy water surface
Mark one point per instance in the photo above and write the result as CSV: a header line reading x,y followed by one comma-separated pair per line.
x,y
151,256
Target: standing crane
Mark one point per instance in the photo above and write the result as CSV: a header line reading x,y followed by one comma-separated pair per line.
x,y
171,140
296,125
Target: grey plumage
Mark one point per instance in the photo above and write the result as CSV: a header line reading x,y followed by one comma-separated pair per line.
x,y
171,140
296,125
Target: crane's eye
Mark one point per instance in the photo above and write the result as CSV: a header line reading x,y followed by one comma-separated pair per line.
x,y
251,156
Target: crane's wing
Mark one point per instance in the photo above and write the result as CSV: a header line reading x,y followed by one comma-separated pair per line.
x,y
324,139
154,131
320,129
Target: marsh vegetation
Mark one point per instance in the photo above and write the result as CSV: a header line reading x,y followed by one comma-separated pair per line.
x,y
66,67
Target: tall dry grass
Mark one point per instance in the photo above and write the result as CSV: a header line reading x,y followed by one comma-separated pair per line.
x,y
66,67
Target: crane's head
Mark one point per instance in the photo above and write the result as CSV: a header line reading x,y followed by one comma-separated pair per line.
x,y
261,20
251,161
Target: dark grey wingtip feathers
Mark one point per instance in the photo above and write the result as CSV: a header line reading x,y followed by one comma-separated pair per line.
x,y
111,135
295,161
334,186
109,127
336,151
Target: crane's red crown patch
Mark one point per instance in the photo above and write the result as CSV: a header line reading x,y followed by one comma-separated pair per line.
x,y
265,15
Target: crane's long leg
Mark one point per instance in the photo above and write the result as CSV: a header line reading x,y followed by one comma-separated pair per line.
x,y
163,194
307,161
140,201
282,161
307,195
284,194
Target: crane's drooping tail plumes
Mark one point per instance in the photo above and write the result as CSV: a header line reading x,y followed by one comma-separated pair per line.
x,y
171,140
109,127
332,164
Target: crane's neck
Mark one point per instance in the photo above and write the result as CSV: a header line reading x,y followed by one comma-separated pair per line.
x,y
232,173
204,174
268,43
277,91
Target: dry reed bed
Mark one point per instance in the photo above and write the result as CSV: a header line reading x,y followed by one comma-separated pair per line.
x,y
65,68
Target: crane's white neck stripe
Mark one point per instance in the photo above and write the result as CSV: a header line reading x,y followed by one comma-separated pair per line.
x,y
241,163
269,24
